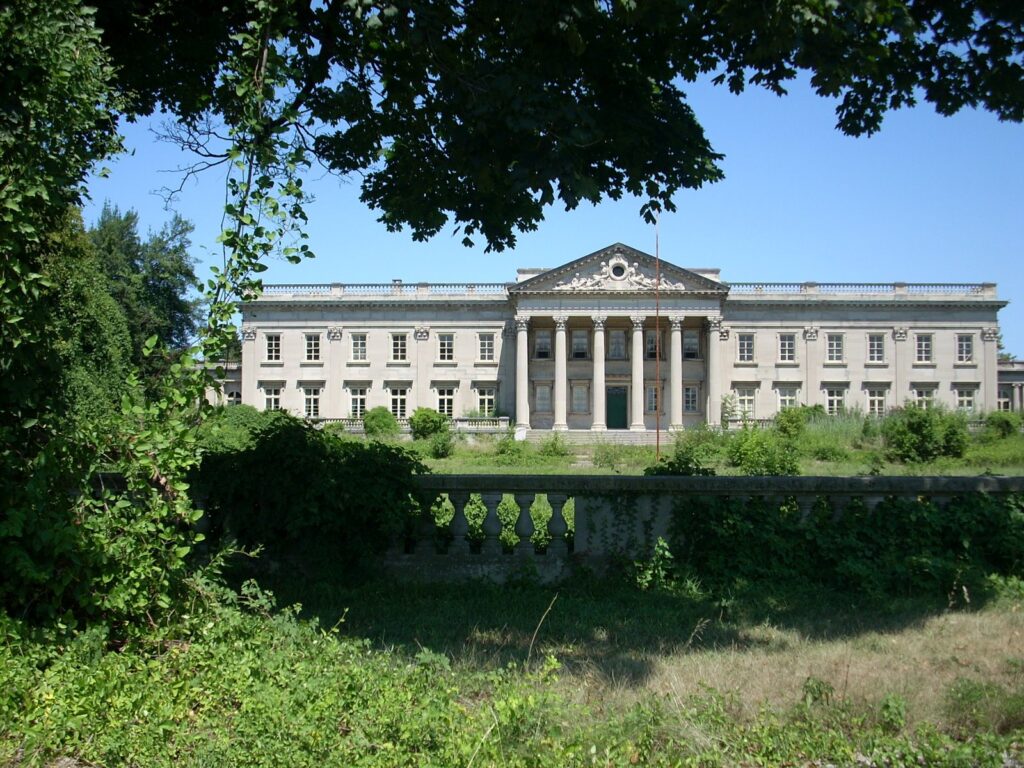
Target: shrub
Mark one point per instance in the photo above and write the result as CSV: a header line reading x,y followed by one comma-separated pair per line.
x,y
442,444
685,460
379,423
426,422
554,446
509,451
762,452
790,422
999,424
915,434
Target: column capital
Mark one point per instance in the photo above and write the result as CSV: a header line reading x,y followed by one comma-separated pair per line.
x,y
900,333
422,332
599,321
334,333
676,322
560,322
638,321
248,333
989,334
522,322
811,333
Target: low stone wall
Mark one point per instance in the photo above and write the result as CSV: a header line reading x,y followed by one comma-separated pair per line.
x,y
623,516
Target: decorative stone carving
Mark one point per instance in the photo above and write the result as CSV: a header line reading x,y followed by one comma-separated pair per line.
x,y
990,334
248,333
676,322
617,274
560,322
599,321
715,326
638,321
810,333
522,322
422,332
508,330
899,333
334,333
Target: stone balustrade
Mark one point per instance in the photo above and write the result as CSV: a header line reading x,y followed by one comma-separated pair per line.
x,y
621,516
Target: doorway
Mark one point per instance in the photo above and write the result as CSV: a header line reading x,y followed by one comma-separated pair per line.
x,y
615,410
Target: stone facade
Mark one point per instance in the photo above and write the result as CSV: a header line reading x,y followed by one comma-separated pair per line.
x,y
602,343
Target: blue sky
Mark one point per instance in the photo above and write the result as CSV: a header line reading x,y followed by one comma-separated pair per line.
x,y
927,199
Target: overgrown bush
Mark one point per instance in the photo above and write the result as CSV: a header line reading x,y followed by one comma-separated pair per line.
x,y
1000,424
426,422
685,460
790,422
379,423
554,446
762,452
442,443
916,434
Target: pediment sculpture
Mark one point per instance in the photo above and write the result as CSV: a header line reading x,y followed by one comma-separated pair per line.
x,y
617,275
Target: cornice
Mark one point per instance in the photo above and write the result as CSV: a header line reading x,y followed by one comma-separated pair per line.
x,y
817,301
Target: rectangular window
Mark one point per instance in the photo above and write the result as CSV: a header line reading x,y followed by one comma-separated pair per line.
x,y
579,398
876,347
312,347
965,398
445,347
834,348
616,344
1004,400
486,347
542,398
964,348
652,345
272,398
787,397
485,397
357,402
745,399
835,400
446,401
580,345
542,345
358,346
745,347
399,401
690,395
787,347
691,344
876,401
923,348
399,346
312,402
273,347
924,396
651,400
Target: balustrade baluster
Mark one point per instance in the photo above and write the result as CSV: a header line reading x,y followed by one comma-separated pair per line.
x,y
806,504
460,525
557,526
524,524
839,505
492,523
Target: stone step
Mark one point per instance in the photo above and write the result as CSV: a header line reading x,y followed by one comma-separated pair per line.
x,y
614,436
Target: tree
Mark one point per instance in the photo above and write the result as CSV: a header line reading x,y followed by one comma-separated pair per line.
x,y
151,282
482,112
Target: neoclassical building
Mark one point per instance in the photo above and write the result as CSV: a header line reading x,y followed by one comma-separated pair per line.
x,y
617,341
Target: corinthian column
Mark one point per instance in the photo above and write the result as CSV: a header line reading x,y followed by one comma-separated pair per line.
x,y
675,394
522,374
560,374
714,413
636,422
598,424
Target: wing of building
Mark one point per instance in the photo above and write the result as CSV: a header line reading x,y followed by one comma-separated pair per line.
x,y
617,341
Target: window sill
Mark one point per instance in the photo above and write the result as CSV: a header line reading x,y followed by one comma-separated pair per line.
x,y
835,364
312,363
486,363
876,364
399,364
924,365
358,363
445,363
965,365
787,364
272,364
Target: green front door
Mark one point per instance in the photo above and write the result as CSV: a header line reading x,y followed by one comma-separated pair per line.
x,y
616,408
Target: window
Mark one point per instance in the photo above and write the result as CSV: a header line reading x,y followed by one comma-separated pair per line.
x,y
690,395
312,347
876,401
579,398
445,347
652,344
651,401
399,346
272,398
964,348
923,348
745,398
745,347
542,398
580,346
486,401
234,397
691,344
876,347
399,401
446,401
787,397
357,402
358,346
787,347
834,348
273,347
312,402
616,344
964,398
486,347
542,345
835,400
1004,401
924,396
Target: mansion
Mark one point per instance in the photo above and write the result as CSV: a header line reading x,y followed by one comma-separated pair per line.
x,y
615,341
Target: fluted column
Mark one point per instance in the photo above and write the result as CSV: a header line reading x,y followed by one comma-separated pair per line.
x,y
675,394
637,391
560,375
522,374
599,424
714,380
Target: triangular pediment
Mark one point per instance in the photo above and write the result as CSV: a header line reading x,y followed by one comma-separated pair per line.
x,y
618,268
